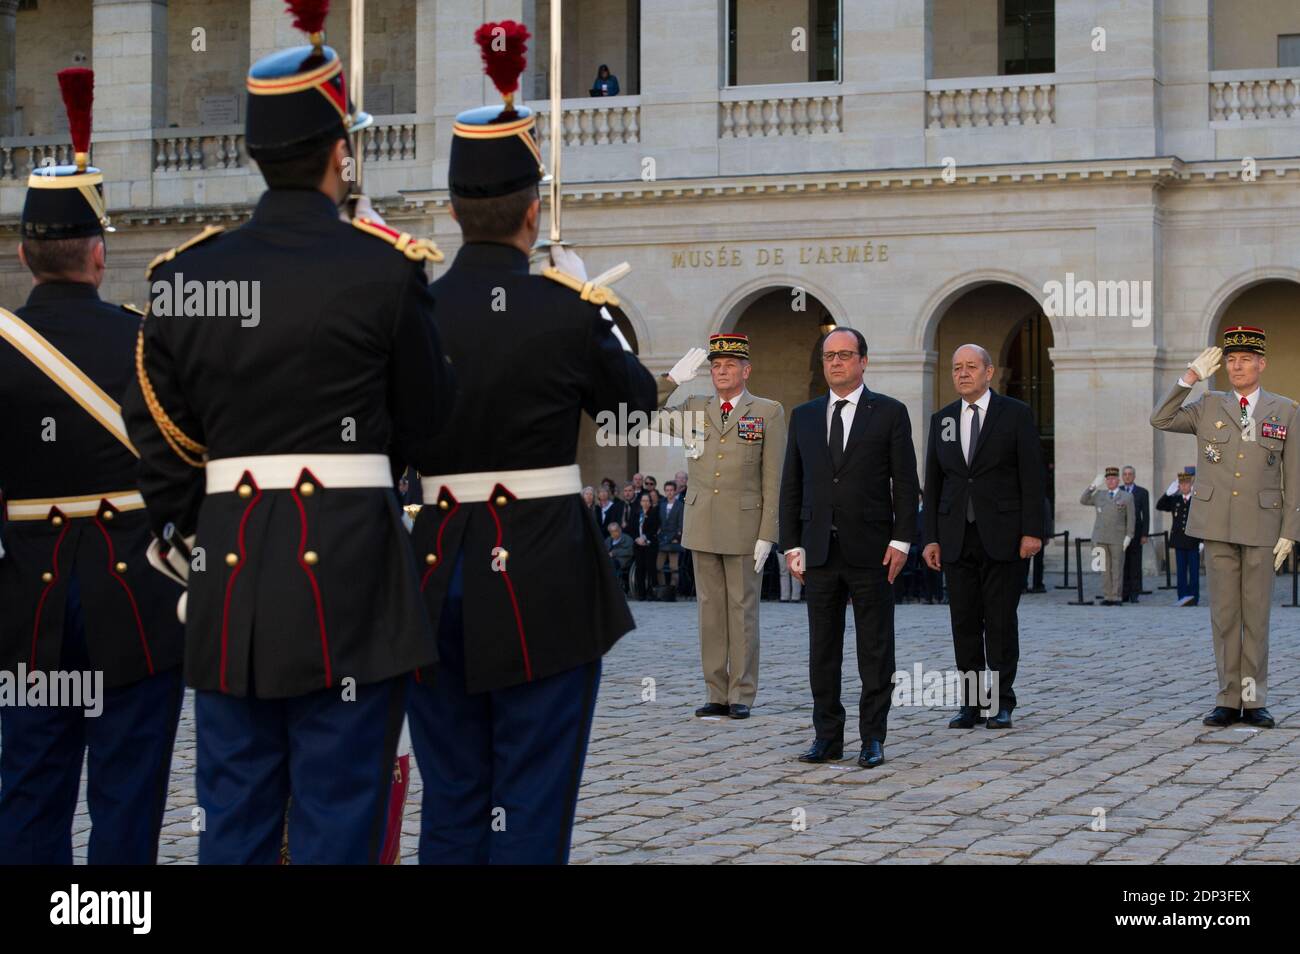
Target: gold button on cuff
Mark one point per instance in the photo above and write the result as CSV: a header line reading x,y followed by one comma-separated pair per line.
x,y
715,490
232,559
108,515
717,473
1234,493
443,505
245,491
47,576
501,500
722,441
56,520
431,558
310,558
1238,474
306,488
719,457
1241,457
121,567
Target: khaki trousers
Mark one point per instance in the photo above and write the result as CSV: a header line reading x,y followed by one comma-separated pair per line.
x,y
727,589
1241,594
1112,570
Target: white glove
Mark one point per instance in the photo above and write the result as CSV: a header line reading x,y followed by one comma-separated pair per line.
x,y
180,605
2,551
1098,481
364,210
688,366
1281,550
567,261
1127,541
761,551
173,565
1206,363
1171,489
1200,548
797,563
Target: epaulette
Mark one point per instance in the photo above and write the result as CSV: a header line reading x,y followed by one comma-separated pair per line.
x,y
590,291
167,256
417,250
132,309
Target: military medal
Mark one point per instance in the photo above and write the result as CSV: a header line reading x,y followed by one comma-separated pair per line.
x,y
1275,431
1213,454
750,429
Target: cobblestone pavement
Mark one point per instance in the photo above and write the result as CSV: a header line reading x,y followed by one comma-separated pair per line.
x,y
1110,703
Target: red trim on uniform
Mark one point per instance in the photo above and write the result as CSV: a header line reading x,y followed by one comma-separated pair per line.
x,y
438,543
514,602
315,587
337,95
135,609
230,587
40,604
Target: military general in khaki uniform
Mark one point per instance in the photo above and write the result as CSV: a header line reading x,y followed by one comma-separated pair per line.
x,y
1112,530
1245,506
735,445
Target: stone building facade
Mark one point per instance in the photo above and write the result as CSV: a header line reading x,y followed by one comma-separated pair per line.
x,y
929,171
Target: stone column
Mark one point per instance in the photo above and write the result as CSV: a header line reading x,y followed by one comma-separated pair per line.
x,y
8,63
681,71
129,56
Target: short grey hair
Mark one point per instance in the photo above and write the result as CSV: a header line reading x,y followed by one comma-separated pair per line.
x,y
982,352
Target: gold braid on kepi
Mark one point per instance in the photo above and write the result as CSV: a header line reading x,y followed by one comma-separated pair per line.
x,y
177,439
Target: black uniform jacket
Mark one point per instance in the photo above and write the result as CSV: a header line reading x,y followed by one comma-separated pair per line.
x,y
870,500
527,370
299,590
1005,480
1174,503
51,447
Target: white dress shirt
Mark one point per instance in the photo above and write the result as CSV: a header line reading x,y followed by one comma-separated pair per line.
x,y
968,418
1251,400
846,418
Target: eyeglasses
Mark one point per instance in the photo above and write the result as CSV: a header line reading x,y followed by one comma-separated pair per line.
x,y
829,356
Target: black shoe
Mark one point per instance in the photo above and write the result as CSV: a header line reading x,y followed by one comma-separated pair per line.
x,y
873,754
1039,589
739,712
714,709
1111,603
824,750
1259,718
1000,721
966,718
1221,717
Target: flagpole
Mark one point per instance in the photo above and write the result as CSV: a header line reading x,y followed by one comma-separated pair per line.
x,y
557,117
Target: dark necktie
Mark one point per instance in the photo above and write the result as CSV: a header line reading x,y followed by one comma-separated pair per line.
x,y
726,410
837,434
970,455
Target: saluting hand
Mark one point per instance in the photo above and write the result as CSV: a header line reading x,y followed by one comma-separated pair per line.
x,y
685,369
1203,366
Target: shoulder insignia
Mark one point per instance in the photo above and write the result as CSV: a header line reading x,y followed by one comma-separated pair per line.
x,y
593,292
132,309
417,250
167,256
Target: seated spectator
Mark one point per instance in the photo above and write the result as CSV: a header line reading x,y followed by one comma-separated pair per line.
x,y
620,550
606,83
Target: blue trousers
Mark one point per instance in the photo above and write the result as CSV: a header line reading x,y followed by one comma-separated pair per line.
x,y
1188,563
332,756
129,751
501,769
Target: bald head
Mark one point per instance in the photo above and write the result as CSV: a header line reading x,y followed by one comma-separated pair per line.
x,y
972,372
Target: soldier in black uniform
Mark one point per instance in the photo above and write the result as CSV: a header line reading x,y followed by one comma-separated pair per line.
x,y
1177,500
76,591
515,573
273,442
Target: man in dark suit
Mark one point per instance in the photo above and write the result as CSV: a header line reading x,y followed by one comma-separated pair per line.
x,y
983,516
848,513
609,511
1142,513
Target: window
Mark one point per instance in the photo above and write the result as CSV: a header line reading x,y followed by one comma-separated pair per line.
x,y
782,41
1288,50
1027,40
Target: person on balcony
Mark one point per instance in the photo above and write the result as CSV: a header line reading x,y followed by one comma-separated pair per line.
x,y
606,83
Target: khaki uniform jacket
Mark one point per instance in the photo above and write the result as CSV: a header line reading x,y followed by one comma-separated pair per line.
x,y
1116,518
734,470
1247,488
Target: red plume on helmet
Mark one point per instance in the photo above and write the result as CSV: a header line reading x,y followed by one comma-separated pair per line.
x,y
309,15
504,47
78,88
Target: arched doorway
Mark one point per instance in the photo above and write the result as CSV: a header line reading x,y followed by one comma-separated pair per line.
x,y
784,325
618,461
1009,323
1273,306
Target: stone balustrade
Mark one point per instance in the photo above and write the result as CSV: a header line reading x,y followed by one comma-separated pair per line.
x,y
746,113
972,102
595,121
1240,96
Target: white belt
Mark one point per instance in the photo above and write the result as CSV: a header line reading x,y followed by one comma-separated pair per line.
x,y
84,506
522,484
283,471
